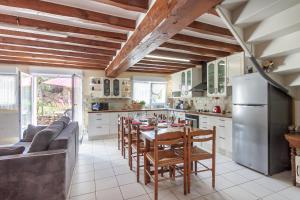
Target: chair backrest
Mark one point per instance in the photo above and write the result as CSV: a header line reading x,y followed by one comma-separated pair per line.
x,y
202,136
170,138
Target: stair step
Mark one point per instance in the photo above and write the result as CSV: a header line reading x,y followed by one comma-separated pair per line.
x,y
257,10
283,23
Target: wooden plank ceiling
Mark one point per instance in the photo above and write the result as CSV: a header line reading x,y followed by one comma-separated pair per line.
x,y
94,34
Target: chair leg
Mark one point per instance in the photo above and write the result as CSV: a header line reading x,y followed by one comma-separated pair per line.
x,y
162,172
213,170
184,178
145,169
189,176
138,167
173,171
118,141
196,168
130,157
155,183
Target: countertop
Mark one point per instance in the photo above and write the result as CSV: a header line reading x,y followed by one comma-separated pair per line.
x,y
227,115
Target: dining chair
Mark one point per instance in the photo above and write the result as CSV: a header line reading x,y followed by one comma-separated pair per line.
x,y
125,135
120,129
166,157
195,154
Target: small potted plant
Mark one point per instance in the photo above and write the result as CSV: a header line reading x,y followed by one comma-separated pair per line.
x,y
142,103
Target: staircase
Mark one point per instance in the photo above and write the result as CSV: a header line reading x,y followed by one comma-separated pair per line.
x,y
268,30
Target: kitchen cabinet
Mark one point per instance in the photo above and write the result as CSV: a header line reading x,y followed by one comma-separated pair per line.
x,y
235,66
110,88
223,133
185,80
216,77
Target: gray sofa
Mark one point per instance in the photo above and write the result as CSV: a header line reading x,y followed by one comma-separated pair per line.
x,y
44,175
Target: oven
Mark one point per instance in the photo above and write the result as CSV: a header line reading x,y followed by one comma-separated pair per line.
x,y
194,119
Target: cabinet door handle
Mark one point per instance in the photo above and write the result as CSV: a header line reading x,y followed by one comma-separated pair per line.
x,y
99,127
221,126
222,138
98,119
298,170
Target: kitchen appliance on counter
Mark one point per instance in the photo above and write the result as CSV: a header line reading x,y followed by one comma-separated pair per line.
x,y
261,115
217,109
99,106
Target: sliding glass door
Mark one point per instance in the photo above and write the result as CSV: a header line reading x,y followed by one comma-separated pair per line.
x,y
77,108
25,99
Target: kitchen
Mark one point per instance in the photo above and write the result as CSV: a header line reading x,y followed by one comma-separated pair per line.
x,y
205,93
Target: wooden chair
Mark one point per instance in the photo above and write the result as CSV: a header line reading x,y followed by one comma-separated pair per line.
x,y
166,158
124,136
196,154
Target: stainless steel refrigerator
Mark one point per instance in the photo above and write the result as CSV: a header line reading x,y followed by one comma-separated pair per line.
x,y
261,115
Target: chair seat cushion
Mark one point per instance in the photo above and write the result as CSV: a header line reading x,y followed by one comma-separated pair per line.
x,y
165,158
196,153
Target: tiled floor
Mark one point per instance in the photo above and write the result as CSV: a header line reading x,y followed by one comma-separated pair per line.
x,y
102,174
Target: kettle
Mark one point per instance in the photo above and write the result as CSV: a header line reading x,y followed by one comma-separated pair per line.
x,y
217,109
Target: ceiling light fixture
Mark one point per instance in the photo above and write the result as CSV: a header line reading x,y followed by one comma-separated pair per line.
x,y
167,58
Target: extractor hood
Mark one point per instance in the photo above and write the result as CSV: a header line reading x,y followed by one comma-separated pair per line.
x,y
202,87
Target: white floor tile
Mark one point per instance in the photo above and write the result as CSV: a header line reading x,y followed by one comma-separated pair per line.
x,y
291,193
106,183
104,173
90,196
82,188
217,196
275,196
221,183
256,189
132,190
125,179
109,194
83,177
249,174
237,193
164,195
142,197
272,184
235,178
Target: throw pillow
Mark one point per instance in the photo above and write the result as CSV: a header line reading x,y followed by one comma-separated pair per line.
x,y
43,138
30,132
65,120
13,150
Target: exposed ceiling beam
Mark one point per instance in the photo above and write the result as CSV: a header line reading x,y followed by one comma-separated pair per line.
x,y
140,65
209,29
162,21
158,63
155,68
167,61
206,43
132,5
69,13
149,71
181,55
194,50
46,64
71,55
62,47
213,12
61,40
66,29
51,57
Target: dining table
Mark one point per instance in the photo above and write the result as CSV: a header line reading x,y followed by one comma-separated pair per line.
x,y
149,136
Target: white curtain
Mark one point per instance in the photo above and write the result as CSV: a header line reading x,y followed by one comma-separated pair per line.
x,y
8,92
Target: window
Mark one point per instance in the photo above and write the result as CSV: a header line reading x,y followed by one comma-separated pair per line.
x,y
154,94
8,92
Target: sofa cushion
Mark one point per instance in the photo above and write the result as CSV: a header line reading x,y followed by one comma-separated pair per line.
x,y
65,120
43,138
24,144
11,150
30,132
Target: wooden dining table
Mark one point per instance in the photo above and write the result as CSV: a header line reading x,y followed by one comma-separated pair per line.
x,y
149,136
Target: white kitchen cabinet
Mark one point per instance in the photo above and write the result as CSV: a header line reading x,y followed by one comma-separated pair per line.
x,y
297,159
113,121
98,125
228,136
179,115
216,78
235,66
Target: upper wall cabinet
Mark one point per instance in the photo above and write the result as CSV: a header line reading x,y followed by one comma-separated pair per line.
x,y
216,77
110,88
220,73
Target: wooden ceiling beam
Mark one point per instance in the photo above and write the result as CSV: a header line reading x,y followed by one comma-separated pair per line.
x,y
51,57
209,29
206,43
194,50
47,64
213,12
163,20
140,65
149,71
167,61
51,52
186,56
158,63
132,5
154,68
70,13
61,40
62,47
65,29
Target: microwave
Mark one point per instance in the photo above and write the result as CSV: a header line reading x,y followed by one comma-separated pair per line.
x,y
99,106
